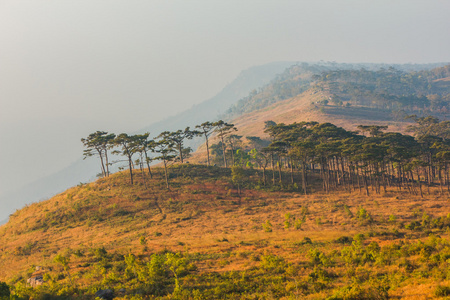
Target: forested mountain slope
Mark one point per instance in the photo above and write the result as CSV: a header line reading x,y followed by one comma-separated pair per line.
x,y
395,88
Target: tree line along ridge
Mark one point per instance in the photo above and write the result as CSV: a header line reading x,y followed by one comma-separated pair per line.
x,y
304,155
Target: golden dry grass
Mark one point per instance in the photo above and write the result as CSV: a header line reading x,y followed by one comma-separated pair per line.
x,y
203,216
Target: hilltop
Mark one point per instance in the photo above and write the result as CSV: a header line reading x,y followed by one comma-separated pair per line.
x,y
86,170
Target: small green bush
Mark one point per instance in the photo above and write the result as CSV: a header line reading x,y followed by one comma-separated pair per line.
x,y
442,291
287,220
267,226
298,224
4,290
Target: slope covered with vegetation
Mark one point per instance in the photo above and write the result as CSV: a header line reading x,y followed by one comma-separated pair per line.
x,y
221,233
284,207
84,170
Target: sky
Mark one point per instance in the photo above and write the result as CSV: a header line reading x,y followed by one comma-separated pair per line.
x,y
69,68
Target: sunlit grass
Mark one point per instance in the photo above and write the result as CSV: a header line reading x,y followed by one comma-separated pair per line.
x,y
221,233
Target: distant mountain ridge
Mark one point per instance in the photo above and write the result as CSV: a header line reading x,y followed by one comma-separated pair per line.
x,y
414,79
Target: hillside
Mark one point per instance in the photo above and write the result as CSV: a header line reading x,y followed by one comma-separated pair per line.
x,y
86,170
203,240
307,107
323,212
304,107
262,86
394,87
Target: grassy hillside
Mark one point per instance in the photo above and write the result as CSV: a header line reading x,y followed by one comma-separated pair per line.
x,y
306,107
222,235
202,240
85,170
256,94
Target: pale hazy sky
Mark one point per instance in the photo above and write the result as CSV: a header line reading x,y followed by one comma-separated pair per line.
x,y
68,68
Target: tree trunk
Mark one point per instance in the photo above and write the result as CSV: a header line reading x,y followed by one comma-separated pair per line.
x,y
304,177
107,163
232,155
292,172
279,169
130,164
207,147
358,177
180,149
273,169
366,185
165,173
141,166
223,152
148,165
264,176
419,182
446,177
103,165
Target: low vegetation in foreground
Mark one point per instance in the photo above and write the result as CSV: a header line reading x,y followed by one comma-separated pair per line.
x,y
208,238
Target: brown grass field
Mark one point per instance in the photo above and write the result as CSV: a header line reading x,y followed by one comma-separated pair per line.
x,y
203,214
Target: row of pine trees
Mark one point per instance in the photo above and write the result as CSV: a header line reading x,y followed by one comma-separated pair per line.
x,y
139,150
368,160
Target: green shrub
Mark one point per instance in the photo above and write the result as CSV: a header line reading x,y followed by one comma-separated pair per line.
x,y
298,224
267,226
359,238
392,219
4,290
287,220
273,263
304,211
363,216
344,240
306,240
319,258
414,225
442,291
358,292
